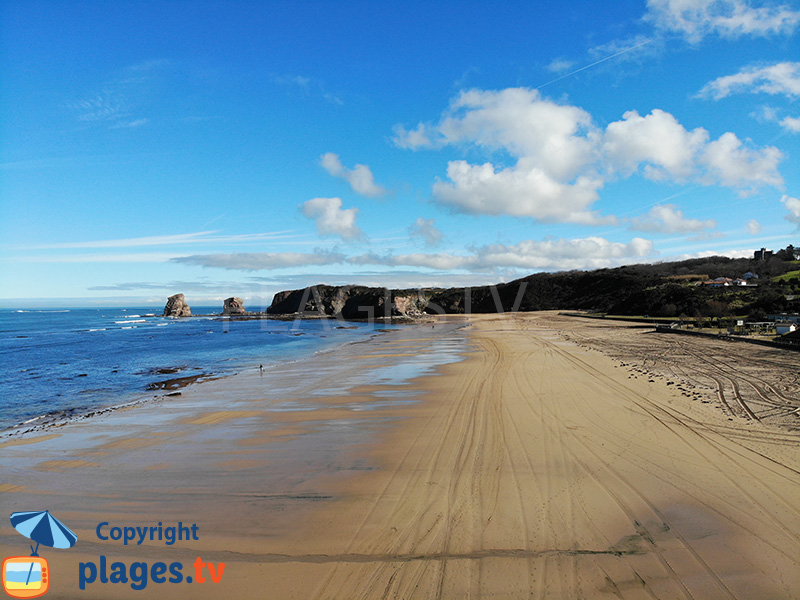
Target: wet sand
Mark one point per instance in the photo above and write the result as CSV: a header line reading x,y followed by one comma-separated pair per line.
x,y
541,465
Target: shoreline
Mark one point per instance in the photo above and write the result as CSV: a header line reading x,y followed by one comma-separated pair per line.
x,y
170,387
526,463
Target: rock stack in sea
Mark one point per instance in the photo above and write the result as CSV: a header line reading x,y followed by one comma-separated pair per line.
x,y
177,307
233,306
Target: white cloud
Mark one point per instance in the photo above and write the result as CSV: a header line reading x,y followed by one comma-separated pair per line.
x,y
331,219
426,230
200,237
137,257
695,19
633,48
560,65
130,124
769,114
119,100
560,159
791,124
781,78
258,261
558,138
554,146
413,139
731,164
668,218
522,191
439,262
561,254
359,177
793,204
753,227
585,253
556,254
656,140
400,278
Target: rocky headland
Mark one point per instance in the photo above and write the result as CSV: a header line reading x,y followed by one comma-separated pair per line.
x,y
661,289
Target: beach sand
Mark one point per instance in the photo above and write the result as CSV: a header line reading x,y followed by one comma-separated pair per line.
x,y
554,460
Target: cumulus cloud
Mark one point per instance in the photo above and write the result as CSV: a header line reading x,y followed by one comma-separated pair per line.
x,y
426,230
359,177
656,140
668,218
553,145
732,164
781,78
557,137
560,160
412,139
791,124
522,191
259,261
331,219
753,227
696,19
793,204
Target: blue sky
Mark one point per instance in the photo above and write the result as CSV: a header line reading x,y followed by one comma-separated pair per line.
x,y
242,148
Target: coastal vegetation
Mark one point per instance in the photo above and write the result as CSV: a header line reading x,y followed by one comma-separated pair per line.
x,y
744,287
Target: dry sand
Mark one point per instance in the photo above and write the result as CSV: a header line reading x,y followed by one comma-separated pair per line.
x,y
550,463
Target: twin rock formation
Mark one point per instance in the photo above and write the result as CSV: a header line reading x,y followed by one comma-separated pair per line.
x,y
177,307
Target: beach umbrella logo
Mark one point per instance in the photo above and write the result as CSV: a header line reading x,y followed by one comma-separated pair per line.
x,y
29,576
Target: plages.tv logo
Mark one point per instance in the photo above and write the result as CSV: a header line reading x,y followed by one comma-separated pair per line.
x,y
29,576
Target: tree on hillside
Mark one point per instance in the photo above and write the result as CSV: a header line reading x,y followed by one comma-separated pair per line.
x,y
789,253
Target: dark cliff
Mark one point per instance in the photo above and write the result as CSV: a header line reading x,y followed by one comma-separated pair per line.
x,y
663,289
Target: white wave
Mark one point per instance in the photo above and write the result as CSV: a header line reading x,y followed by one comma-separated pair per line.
x,y
101,329
128,322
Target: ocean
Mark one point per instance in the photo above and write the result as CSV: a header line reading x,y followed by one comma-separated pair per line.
x,y
58,363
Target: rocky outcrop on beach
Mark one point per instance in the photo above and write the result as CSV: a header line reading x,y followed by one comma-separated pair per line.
x,y
177,307
233,306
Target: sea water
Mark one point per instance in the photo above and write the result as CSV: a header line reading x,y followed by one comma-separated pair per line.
x,y
73,361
